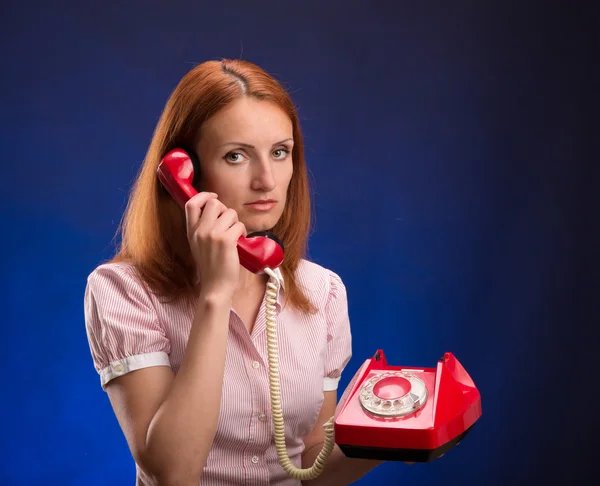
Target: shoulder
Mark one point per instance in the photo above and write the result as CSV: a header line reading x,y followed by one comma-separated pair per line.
x,y
112,271
114,278
320,284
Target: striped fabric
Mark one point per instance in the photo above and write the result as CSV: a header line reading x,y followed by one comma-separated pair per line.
x,y
128,329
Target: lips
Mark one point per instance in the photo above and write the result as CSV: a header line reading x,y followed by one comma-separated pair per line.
x,y
262,205
262,201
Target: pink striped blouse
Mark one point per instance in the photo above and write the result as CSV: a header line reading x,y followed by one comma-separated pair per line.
x,y
129,329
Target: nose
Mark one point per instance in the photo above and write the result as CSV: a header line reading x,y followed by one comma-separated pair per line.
x,y
263,178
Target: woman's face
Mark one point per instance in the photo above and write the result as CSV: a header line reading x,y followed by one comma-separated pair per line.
x,y
245,153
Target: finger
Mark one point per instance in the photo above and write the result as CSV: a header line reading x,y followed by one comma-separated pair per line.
x,y
194,206
211,211
237,230
225,221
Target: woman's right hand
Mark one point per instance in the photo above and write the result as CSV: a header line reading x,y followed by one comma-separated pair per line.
x,y
213,231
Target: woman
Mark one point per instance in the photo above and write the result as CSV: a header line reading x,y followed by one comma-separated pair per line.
x,y
176,326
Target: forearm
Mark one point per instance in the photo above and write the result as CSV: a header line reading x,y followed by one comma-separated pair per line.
x,y
182,431
339,469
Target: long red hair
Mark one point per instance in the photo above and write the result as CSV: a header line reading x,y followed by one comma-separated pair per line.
x,y
153,227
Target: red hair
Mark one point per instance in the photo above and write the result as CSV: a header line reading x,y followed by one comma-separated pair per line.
x,y
153,226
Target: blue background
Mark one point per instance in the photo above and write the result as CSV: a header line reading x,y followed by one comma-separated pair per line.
x,y
448,143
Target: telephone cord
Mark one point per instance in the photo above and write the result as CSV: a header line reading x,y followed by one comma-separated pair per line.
x,y
278,424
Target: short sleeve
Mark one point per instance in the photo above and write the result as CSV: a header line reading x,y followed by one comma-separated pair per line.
x,y
339,338
123,329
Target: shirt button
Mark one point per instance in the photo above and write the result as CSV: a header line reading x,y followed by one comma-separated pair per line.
x,y
255,459
262,417
255,364
118,368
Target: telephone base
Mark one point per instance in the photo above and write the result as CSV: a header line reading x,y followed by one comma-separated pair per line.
x,y
403,455
396,413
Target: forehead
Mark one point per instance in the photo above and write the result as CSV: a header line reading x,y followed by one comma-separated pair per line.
x,y
248,120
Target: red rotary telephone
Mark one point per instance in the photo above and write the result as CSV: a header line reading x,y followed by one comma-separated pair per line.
x,y
397,413
388,413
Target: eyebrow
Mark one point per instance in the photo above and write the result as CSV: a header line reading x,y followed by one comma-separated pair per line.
x,y
247,145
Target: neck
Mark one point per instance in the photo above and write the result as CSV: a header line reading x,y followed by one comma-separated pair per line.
x,y
248,280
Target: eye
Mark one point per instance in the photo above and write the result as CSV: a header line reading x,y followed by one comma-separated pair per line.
x,y
281,154
234,157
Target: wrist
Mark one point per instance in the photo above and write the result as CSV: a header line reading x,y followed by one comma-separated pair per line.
x,y
215,297
212,309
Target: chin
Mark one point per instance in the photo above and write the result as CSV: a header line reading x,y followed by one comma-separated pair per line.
x,y
259,226
254,229
260,222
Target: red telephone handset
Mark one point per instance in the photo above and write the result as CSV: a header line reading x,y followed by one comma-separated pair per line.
x,y
257,251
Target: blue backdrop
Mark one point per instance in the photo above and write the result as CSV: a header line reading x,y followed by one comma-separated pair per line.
x,y
447,143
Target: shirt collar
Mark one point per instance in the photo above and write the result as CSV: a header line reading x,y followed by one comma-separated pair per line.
x,y
277,272
280,289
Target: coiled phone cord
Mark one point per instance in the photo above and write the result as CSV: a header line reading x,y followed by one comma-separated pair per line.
x,y
279,428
